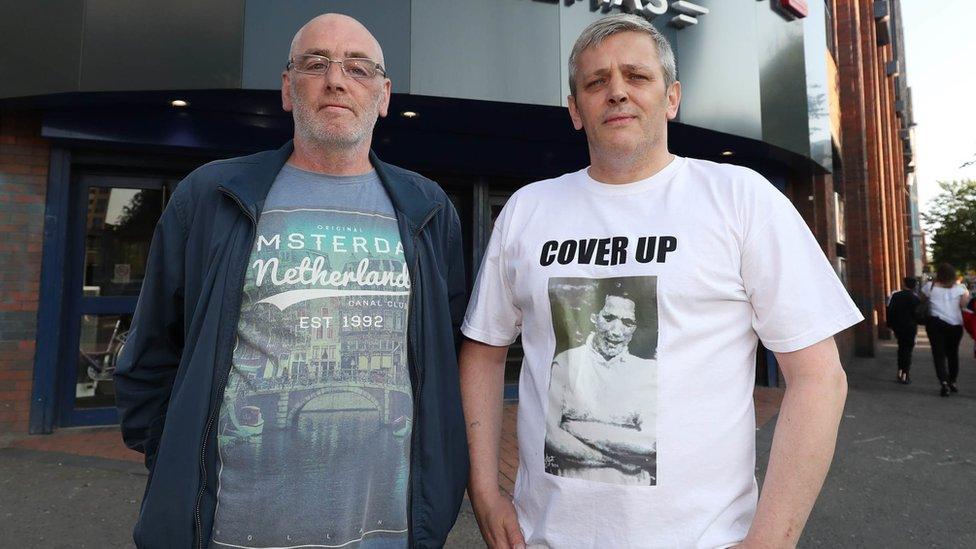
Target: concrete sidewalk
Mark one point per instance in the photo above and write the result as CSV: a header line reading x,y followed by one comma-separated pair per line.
x,y
904,475
82,487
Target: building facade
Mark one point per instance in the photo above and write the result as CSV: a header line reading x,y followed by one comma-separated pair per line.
x,y
102,119
875,170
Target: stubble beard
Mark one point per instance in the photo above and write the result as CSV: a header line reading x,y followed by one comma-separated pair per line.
x,y
632,154
317,131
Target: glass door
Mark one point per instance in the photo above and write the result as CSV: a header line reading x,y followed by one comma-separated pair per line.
x,y
513,361
108,244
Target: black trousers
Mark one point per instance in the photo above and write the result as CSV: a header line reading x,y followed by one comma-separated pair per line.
x,y
906,343
945,340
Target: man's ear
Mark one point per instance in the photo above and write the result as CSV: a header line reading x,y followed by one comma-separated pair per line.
x,y
285,92
674,100
385,101
574,113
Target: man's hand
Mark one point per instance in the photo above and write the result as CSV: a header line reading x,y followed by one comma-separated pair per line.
x,y
482,380
498,522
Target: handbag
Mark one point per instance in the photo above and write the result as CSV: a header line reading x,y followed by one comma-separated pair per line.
x,y
924,308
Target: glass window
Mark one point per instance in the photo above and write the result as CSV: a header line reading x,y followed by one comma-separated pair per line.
x,y
829,23
841,235
101,342
119,228
513,361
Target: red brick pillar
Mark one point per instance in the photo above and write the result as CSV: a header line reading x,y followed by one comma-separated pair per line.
x,y
855,117
885,180
901,221
873,153
24,158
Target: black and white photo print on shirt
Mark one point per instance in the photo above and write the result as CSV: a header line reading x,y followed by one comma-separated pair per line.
x,y
602,419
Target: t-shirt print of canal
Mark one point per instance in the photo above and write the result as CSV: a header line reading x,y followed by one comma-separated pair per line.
x,y
315,424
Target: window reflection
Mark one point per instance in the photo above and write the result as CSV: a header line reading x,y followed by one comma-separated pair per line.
x,y
101,342
119,228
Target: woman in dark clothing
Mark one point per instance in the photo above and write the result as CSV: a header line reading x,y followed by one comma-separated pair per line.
x,y
947,299
900,316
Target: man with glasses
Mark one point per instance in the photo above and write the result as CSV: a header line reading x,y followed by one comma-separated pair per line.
x,y
291,371
720,260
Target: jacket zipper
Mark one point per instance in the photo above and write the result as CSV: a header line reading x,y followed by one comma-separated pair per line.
x,y
215,405
412,328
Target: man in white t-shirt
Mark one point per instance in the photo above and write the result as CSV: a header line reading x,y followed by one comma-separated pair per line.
x,y
715,259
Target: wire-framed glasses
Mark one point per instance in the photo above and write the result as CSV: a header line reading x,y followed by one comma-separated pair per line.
x,y
359,68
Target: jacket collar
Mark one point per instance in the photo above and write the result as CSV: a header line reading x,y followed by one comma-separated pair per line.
x,y
251,186
405,195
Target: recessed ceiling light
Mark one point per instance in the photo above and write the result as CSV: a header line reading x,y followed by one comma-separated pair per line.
x,y
179,103
409,114
727,153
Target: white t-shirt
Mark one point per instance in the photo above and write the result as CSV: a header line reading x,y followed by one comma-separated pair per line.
x,y
683,271
944,302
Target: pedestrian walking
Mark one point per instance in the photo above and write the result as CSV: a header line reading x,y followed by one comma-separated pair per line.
x,y
947,300
900,315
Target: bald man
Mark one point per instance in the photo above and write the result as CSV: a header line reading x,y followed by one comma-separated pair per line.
x,y
291,372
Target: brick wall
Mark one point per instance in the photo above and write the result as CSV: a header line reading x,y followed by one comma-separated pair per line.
x,y
873,174
24,158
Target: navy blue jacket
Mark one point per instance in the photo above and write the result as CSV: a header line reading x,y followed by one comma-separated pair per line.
x,y
171,375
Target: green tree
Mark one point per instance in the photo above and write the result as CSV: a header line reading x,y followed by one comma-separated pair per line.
x,y
951,222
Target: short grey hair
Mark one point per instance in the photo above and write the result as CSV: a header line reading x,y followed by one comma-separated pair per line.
x,y
606,27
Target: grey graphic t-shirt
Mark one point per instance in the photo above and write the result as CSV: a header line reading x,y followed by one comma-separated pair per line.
x,y
314,428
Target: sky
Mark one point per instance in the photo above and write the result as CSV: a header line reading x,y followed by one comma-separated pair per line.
x,y
940,62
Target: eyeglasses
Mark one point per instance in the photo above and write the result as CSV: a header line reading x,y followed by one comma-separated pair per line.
x,y
353,67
